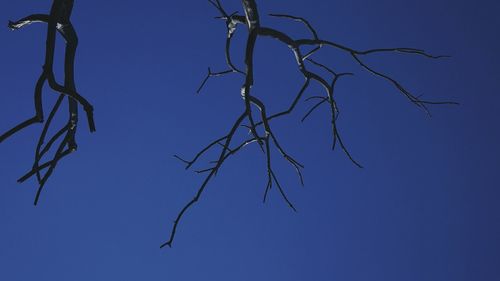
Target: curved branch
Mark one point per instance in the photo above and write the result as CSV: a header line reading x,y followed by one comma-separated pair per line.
x,y
58,21
269,139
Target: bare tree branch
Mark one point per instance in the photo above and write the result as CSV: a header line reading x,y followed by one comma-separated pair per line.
x,y
263,119
58,21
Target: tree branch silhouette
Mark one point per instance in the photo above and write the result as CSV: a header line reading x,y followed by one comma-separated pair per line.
x,y
256,123
58,21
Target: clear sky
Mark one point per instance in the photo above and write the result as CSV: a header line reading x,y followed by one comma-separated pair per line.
x,y
425,207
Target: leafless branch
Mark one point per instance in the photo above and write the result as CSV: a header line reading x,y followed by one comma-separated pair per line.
x,y
262,121
58,21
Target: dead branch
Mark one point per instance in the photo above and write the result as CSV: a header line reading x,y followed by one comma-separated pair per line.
x,y
58,21
262,121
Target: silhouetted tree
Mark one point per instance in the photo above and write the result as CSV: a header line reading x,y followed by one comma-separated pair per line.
x,y
57,21
255,116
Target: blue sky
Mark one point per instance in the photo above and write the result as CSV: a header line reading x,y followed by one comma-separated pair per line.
x,y
425,207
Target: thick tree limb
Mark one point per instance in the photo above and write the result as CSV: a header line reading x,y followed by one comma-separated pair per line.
x,y
58,21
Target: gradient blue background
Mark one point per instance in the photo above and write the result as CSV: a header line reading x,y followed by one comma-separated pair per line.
x,y
426,206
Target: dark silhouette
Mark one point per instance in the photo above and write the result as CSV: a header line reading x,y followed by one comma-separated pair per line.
x,y
254,116
262,119
57,21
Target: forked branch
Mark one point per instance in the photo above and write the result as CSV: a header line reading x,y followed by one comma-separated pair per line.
x,y
259,124
58,21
